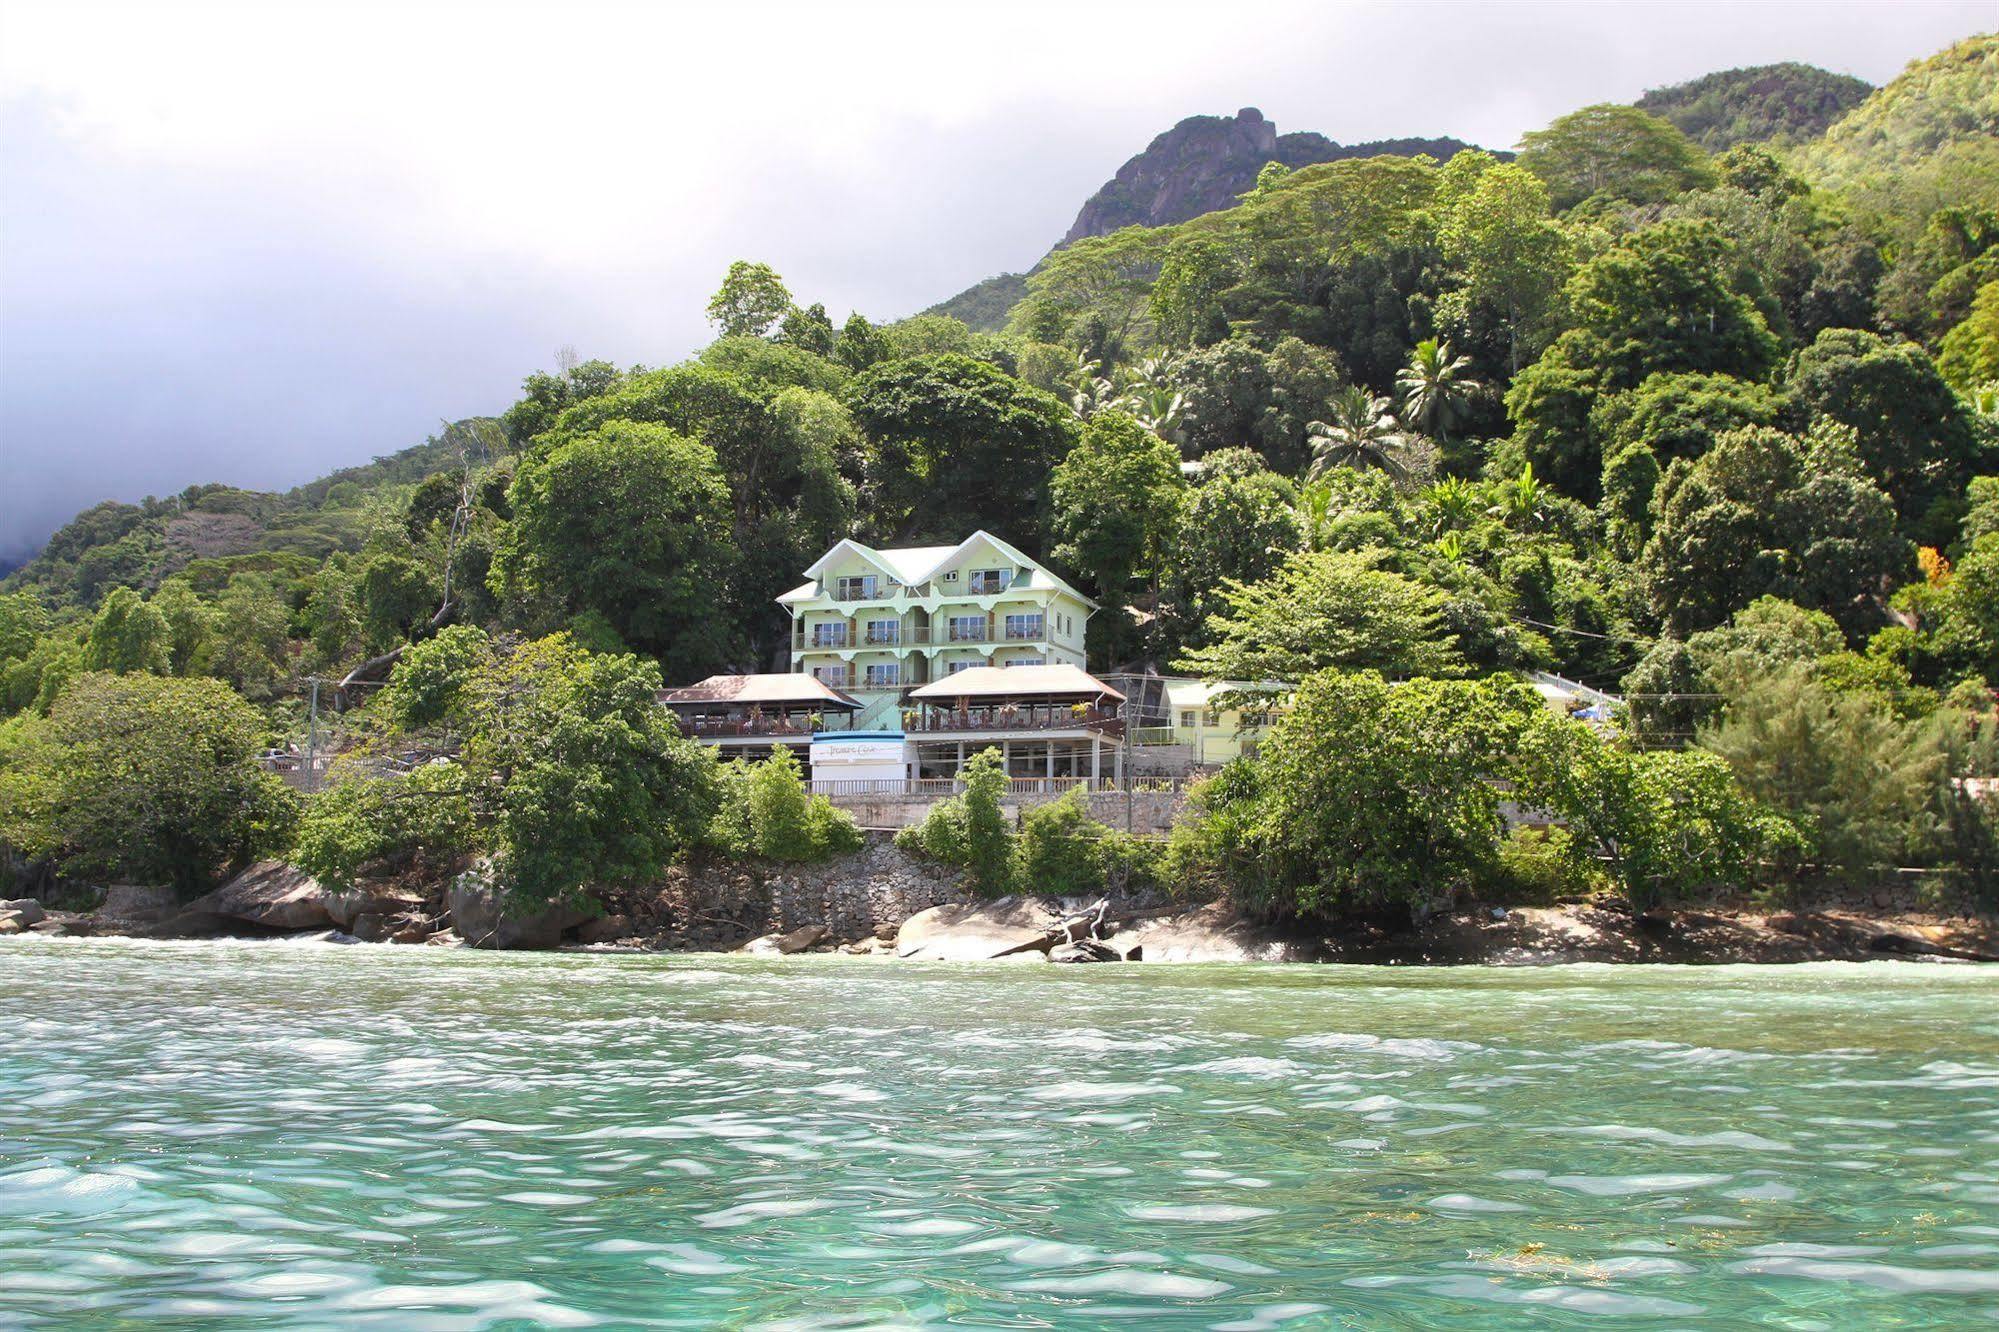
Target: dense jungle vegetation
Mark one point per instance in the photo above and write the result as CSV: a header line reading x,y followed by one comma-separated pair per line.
x,y
1700,408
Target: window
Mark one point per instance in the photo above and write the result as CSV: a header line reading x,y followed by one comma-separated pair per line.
x,y
952,668
1026,661
1188,719
985,582
884,631
833,634
1024,628
884,675
968,628
855,589
832,675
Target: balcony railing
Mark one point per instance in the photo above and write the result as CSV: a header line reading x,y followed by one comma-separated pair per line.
x,y
935,788
882,638
1017,717
773,725
1032,633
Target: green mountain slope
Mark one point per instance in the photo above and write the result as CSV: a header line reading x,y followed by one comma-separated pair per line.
x,y
1790,102
221,529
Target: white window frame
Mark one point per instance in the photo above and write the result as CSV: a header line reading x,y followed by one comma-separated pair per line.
x,y
869,583
829,634
983,581
1025,661
835,676
1035,620
882,675
951,629
892,638
953,667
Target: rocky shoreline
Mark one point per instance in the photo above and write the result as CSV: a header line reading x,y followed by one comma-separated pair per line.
x,y
881,902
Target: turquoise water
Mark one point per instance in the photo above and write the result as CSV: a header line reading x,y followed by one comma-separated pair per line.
x,y
240,1135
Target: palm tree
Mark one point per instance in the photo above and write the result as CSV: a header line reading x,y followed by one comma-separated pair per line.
x,y
1435,388
1362,432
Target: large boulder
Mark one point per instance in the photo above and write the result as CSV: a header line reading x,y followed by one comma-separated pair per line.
x,y
346,905
976,931
27,908
137,903
11,923
272,895
1216,932
483,918
797,941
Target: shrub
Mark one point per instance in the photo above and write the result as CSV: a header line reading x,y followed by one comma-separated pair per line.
x,y
1540,866
969,831
941,834
1061,849
382,824
765,811
142,779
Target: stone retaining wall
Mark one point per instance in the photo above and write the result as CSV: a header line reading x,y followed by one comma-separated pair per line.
x,y
1150,813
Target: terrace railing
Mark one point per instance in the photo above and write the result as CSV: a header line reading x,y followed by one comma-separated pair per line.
x,y
1018,717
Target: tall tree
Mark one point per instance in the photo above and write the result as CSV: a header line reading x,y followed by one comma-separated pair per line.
x,y
750,301
631,521
1618,152
956,444
1436,386
1117,503
1361,431
1768,513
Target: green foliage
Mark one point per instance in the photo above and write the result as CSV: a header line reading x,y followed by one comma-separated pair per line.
x,y
1541,866
1948,99
1855,779
1239,394
578,778
140,779
969,831
370,826
764,810
1765,513
1326,610
1660,823
1969,356
631,521
750,302
1613,152
1118,500
941,431
252,643
1062,849
1914,435
1363,795
128,635
1785,102
429,686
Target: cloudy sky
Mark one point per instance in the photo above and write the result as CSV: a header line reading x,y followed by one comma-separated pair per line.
x,y
254,242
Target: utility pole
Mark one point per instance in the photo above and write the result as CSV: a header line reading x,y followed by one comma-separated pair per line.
x,y
312,740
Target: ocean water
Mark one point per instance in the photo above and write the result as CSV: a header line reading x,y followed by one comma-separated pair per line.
x,y
259,1135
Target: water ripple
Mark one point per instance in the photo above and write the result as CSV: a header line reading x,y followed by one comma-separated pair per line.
x,y
369,1137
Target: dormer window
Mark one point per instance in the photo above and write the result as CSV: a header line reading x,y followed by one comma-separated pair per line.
x,y
862,588
986,582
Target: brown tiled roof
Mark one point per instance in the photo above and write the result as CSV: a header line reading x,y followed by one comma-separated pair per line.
x,y
1059,681
791,689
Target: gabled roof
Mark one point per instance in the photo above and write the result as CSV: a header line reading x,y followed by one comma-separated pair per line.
x,y
786,690
1199,693
1059,681
912,565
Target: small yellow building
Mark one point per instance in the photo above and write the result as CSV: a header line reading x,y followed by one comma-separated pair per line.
x,y
1214,720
